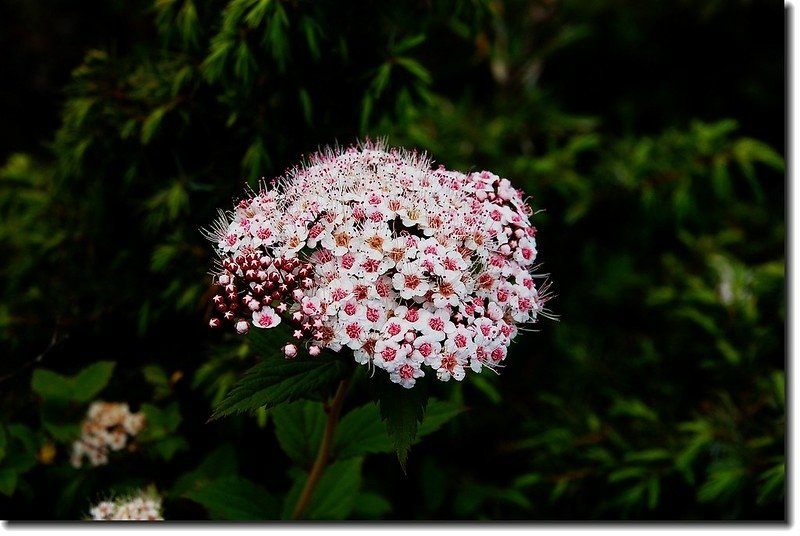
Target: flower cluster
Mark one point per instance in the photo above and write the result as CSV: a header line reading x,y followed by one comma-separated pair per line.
x,y
106,427
371,249
141,507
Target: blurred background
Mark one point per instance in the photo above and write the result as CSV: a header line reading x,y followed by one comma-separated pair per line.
x,y
651,135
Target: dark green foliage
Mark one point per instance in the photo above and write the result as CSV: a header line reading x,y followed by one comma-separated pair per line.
x,y
401,410
277,380
656,161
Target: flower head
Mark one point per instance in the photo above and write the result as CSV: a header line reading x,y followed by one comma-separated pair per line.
x,y
108,426
142,506
412,268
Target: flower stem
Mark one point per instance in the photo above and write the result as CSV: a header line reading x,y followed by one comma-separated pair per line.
x,y
323,454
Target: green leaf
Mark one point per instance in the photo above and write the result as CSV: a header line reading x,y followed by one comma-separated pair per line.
x,y
370,505
8,481
169,446
415,68
653,492
151,124
64,433
3,442
187,23
51,385
725,477
648,455
408,43
256,13
299,427
84,386
626,473
274,381
91,380
437,414
335,494
402,410
362,432
235,498
772,484
221,462
160,423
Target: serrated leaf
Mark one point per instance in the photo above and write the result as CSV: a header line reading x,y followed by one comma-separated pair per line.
x,y
362,432
274,381
402,410
92,379
335,494
235,498
299,427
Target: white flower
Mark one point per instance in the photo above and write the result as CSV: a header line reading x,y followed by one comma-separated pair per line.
x,y
369,248
266,317
409,280
145,506
107,426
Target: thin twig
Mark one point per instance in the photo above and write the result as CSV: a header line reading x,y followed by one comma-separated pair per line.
x,y
323,454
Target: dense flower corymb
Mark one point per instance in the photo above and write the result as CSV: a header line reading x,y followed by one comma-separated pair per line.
x,y
371,249
141,507
107,427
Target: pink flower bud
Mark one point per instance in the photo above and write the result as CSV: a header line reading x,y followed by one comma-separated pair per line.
x,y
290,351
242,327
314,350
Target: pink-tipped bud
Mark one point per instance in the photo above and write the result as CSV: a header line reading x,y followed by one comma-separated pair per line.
x,y
410,336
228,315
219,299
242,327
505,249
214,323
297,316
290,351
224,279
298,334
314,350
